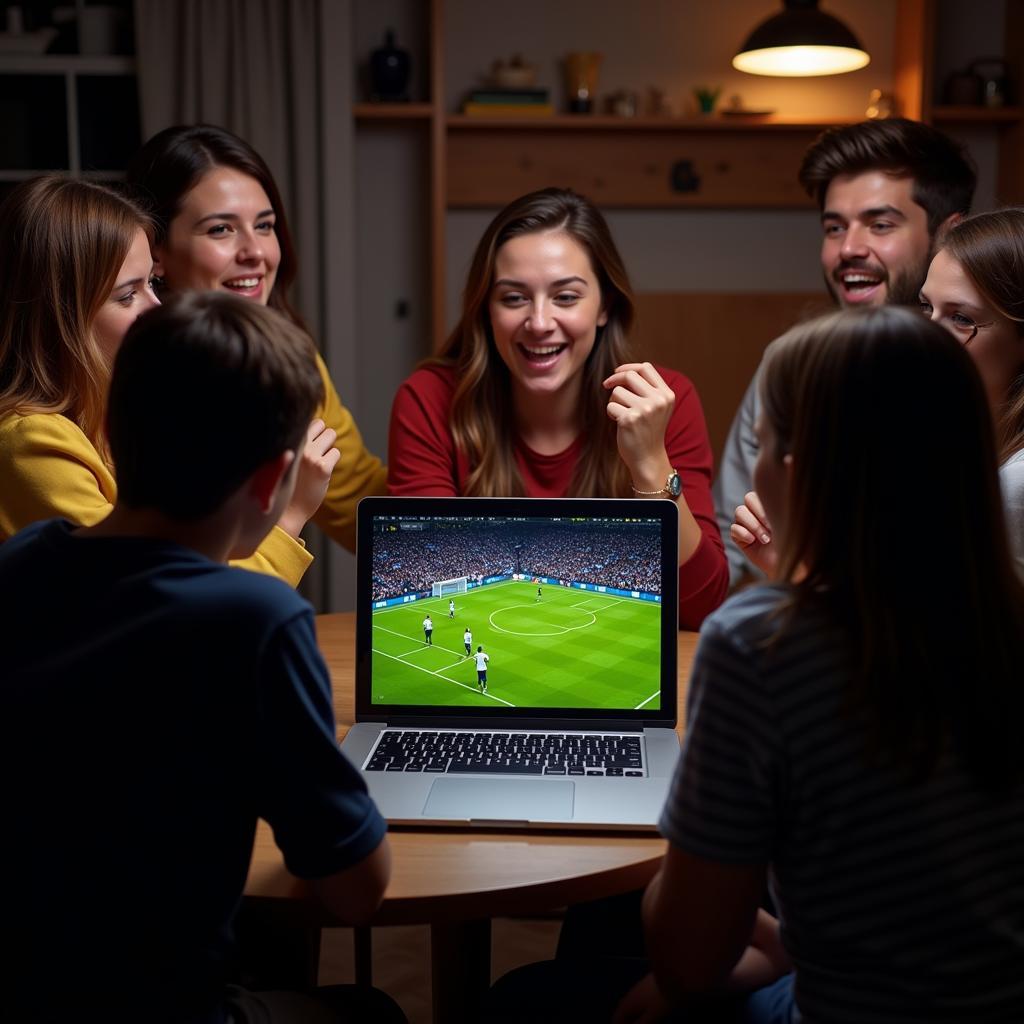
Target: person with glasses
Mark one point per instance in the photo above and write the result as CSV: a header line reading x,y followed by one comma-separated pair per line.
x,y
852,727
887,192
975,289
76,270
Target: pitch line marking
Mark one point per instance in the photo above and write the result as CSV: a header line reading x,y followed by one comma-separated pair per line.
x,y
405,636
415,650
656,693
454,682
561,630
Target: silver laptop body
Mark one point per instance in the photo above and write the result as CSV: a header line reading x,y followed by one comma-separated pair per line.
x,y
569,720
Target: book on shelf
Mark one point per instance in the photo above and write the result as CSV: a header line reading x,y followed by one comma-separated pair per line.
x,y
472,109
518,96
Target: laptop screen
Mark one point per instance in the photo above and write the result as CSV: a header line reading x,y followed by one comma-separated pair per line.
x,y
517,607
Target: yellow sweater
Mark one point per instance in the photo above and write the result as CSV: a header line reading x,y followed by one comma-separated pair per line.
x,y
48,468
357,474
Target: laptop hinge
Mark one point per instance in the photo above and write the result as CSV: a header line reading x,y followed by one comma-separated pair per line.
x,y
506,724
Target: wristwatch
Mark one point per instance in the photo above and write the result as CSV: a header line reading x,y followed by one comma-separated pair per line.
x,y
673,488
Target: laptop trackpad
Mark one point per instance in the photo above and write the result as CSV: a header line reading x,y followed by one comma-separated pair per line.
x,y
500,799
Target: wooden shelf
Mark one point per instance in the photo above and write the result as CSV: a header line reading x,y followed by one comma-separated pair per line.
x,y
977,115
392,111
720,161
609,122
667,165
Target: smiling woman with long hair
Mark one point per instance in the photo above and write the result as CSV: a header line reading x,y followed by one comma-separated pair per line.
x,y
220,225
975,289
536,393
75,273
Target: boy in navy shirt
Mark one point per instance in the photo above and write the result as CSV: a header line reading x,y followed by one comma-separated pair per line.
x,y
155,701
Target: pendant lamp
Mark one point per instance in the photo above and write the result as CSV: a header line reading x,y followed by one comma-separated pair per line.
x,y
800,42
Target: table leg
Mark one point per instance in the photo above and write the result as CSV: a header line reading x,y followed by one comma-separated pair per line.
x,y
363,942
460,959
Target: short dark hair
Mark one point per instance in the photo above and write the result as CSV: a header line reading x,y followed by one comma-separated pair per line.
x,y
204,391
171,164
943,174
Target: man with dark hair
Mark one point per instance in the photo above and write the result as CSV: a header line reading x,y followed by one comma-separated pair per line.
x,y
155,701
887,190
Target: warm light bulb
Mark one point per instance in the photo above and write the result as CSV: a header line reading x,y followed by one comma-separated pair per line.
x,y
801,61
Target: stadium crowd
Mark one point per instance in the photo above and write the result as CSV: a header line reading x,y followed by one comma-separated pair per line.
x,y
410,561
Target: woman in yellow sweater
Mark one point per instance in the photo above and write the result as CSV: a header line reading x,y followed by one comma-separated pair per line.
x,y
75,273
221,225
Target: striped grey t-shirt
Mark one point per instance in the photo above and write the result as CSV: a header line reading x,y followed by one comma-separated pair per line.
x,y
899,902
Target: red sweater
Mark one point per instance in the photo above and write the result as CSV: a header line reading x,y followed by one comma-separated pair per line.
x,y
423,460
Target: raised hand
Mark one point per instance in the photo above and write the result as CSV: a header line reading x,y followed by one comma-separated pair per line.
x,y
316,463
641,404
752,534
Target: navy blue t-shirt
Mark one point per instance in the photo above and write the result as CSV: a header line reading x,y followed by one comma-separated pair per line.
x,y
153,705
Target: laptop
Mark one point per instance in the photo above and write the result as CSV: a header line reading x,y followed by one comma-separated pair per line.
x,y
516,660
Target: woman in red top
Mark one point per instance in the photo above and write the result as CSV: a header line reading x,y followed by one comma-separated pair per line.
x,y
535,394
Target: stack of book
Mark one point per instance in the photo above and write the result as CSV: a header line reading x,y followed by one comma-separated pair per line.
x,y
508,103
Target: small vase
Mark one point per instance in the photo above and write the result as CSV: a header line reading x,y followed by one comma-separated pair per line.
x,y
389,71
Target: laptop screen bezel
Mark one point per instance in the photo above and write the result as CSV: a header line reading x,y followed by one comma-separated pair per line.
x,y
662,510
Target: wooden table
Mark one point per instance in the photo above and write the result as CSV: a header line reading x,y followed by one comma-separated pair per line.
x,y
457,881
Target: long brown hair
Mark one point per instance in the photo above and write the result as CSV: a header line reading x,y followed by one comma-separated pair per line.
x,y
884,413
482,419
990,248
171,164
65,241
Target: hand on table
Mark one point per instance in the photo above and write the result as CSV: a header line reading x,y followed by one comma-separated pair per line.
x,y
316,463
641,405
752,534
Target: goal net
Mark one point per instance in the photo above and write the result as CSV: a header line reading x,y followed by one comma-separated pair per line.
x,y
442,588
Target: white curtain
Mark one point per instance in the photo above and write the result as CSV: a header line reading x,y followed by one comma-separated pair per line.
x,y
279,74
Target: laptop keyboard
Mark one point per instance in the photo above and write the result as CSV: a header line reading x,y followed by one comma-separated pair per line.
x,y
507,753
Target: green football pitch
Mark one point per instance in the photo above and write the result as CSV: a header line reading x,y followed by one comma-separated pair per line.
x,y
573,648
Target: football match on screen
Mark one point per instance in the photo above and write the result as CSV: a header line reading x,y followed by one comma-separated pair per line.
x,y
514,612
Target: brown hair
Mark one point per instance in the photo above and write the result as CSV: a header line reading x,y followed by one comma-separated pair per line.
x,y
482,419
943,175
878,406
65,241
172,163
251,382
990,248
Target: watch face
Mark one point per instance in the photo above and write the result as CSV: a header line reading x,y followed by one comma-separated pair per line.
x,y
674,485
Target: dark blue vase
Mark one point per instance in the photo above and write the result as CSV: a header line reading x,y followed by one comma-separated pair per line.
x,y
389,71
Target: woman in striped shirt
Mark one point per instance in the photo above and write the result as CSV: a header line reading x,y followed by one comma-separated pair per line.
x,y
853,727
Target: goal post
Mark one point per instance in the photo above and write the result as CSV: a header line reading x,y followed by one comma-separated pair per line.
x,y
443,588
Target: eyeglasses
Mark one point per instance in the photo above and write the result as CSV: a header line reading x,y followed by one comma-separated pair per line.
x,y
960,323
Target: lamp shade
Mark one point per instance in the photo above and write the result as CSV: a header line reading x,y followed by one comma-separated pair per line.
x,y
799,42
